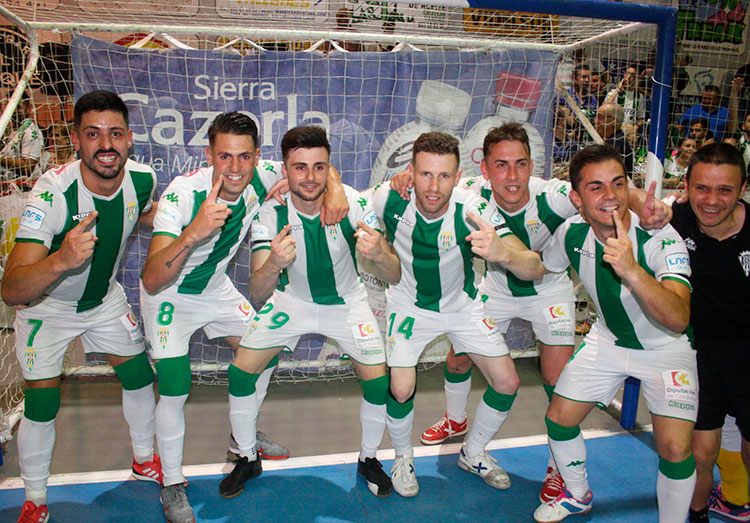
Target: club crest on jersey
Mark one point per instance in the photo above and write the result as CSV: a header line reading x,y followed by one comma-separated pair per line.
x,y
131,211
252,201
446,240
533,226
333,231
30,358
744,258
163,337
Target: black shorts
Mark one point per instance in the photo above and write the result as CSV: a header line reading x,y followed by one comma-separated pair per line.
x,y
724,385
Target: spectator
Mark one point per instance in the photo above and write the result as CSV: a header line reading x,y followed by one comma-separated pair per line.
x,y
675,167
709,108
565,141
608,123
700,132
21,151
743,143
580,92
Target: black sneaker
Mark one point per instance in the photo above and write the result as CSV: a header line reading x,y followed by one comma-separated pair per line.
x,y
234,483
377,481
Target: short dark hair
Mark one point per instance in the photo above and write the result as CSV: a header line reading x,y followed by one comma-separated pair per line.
x,y
233,123
435,142
304,137
508,132
712,87
718,153
598,153
700,120
581,67
682,140
99,101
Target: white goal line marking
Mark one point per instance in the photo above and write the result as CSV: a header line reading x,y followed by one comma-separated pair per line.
x,y
212,469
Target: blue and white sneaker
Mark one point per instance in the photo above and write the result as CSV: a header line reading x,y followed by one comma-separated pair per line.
x,y
404,477
484,466
565,505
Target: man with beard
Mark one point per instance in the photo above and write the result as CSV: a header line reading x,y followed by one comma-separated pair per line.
x,y
69,245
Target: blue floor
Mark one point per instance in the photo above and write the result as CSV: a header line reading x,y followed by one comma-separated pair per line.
x,y
622,472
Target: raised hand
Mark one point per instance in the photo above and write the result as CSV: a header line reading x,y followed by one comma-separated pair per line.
x,y
485,242
211,215
368,242
78,244
283,251
618,251
655,213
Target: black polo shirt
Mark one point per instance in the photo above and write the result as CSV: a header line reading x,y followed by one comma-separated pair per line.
x,y
720,304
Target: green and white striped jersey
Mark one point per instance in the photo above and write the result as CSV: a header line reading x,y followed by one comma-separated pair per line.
x,y
207,263
325,269
622,320
60,200
436,260
548,207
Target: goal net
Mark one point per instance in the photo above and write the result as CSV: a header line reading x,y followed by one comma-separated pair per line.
x,y
375,74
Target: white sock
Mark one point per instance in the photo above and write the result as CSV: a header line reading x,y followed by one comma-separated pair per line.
x,y
170,436
487,421
570,457
400,432
456,399
139,409
261,386
372,419
673,497
36,439
243,411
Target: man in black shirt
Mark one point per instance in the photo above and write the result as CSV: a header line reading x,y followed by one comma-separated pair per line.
x,y
716,228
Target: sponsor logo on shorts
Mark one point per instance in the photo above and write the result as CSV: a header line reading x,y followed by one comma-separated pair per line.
x,y
446,240
30,358
680,385
389,346
163,337
130,317
690,244
556,311
533,226
678,263
403,220
489,323
81,215
32,218
245,308
371,352
681,405
365,329
333,231
131,211
583,252
559,319
744,258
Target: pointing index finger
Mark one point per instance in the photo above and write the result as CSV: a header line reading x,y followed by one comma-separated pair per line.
x,y
214,194
622,232
365,227
87,220
479,222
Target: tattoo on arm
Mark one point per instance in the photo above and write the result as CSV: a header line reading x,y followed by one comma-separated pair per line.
x,y
169,263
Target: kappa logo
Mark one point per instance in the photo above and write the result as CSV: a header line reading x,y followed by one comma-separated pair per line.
x,y
583,252
533,225
30,358
47,197
163,337
481,207
563,190
667,242
172,197
362,203
744,258
690,244
557,311
446,240
403,220
268,166
470,182
365,329
575,463
131,211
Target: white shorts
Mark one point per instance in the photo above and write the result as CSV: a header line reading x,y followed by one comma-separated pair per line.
x,y
411,328
669,377
284,319
44,331
170,319
552,316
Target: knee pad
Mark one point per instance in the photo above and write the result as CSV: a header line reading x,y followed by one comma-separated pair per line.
x,y
174,376
135,373
41,404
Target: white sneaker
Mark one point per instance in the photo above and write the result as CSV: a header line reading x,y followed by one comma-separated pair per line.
x,y
404,477
484,465
565,505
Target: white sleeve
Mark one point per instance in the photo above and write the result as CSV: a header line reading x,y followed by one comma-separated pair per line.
x,y
44,215
174,211
554,256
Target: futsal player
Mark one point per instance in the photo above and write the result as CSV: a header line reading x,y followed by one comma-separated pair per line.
x,y
61,274
432,235
638,281
200,221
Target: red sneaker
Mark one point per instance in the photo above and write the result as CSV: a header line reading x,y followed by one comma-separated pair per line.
x,y
30,513
148,470
442,430
553,486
